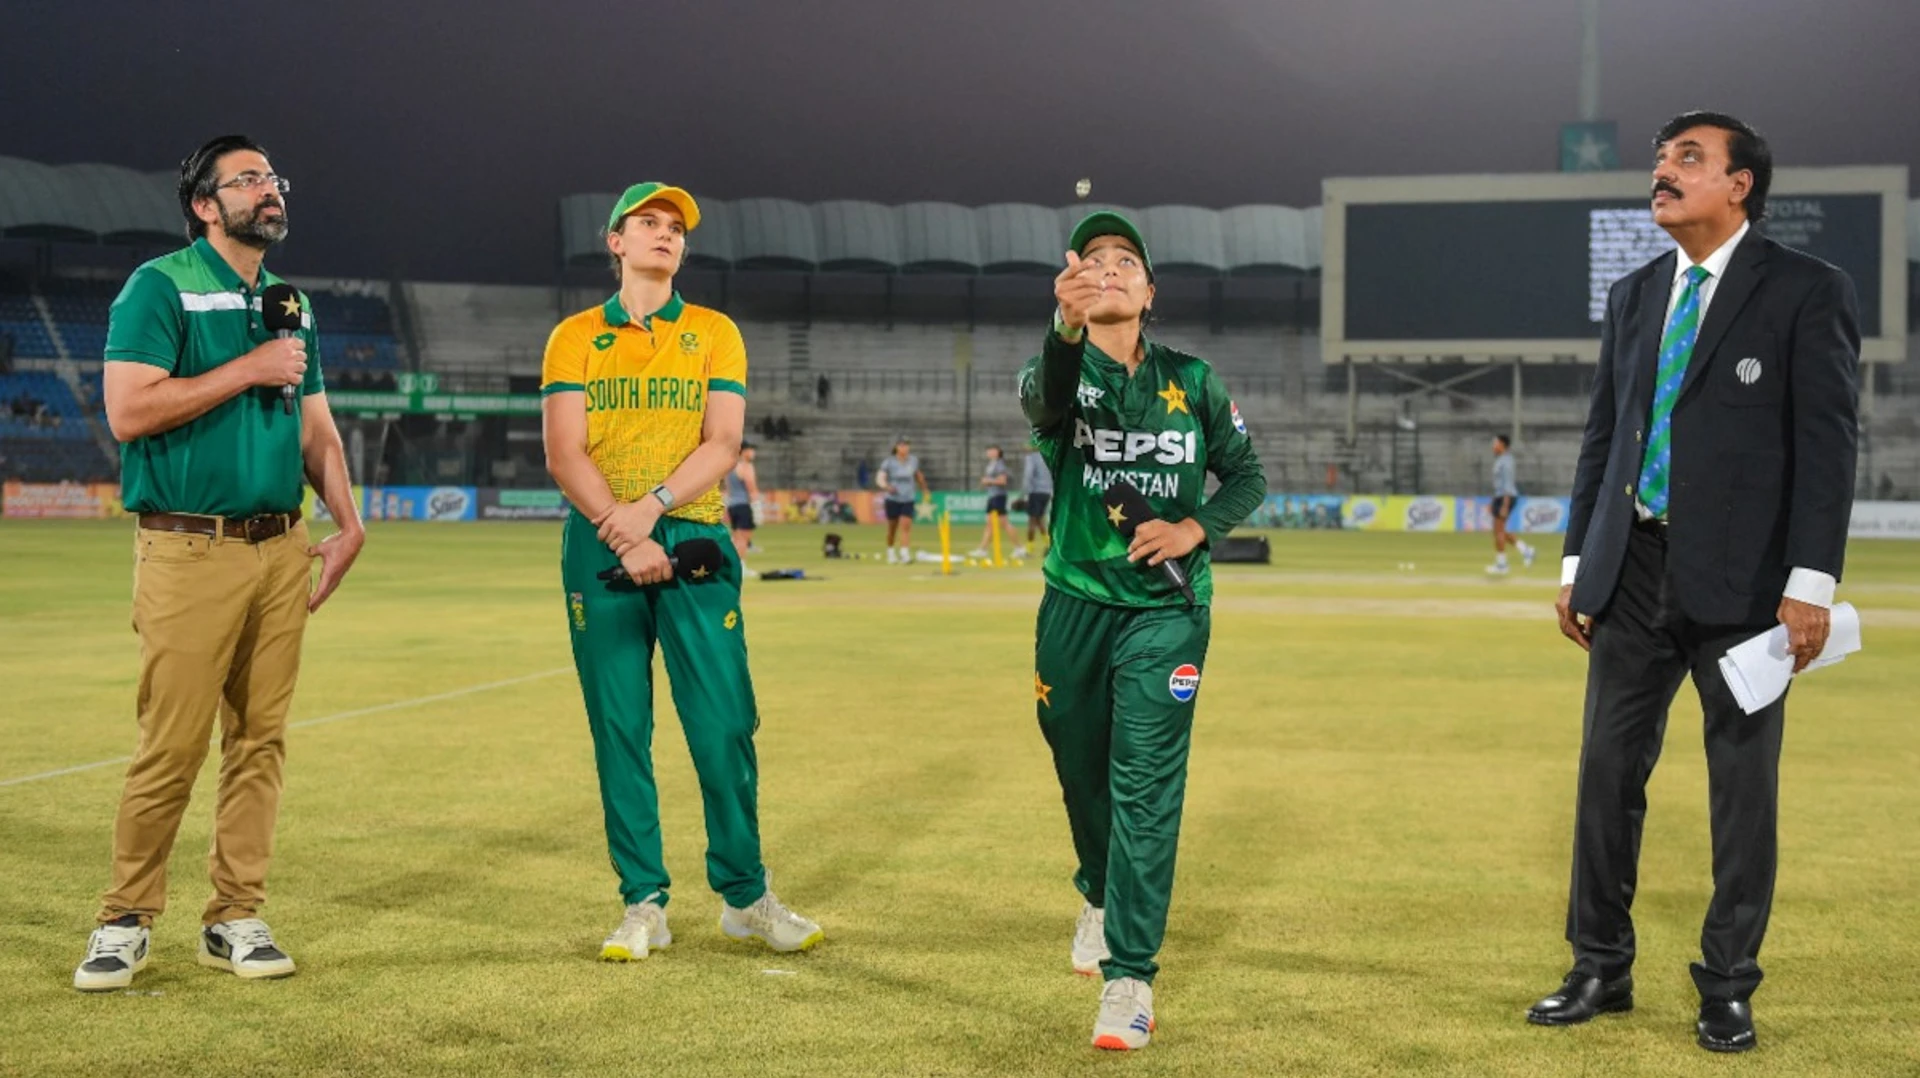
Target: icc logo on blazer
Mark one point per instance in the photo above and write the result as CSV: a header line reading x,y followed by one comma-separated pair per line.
x,y
1747,370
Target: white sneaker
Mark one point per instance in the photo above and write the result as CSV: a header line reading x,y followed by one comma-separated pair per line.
x,y
1498,568
770,922
643,929
244,948
1126,1015
981,553
893,555
906,555
1526,555
1090,940
115,952
1019,553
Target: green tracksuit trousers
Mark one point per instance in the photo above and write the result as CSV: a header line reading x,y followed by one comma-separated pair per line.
x,y
1115,690
704,640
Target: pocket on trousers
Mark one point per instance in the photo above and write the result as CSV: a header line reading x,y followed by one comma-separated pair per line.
x,y
166,547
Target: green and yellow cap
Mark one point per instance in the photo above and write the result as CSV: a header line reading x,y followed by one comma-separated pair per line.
x,y
653,191
1108,223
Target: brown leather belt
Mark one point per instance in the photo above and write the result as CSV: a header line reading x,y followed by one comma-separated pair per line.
x,y
246,529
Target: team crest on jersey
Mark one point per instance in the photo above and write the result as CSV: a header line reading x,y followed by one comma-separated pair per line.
x,y
1184,682
603,342
689,343
577,607
1089,395
1238,423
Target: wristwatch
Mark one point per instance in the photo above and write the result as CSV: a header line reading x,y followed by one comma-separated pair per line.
x,y
666,496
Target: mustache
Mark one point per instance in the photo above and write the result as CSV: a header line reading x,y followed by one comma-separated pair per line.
x,y
1668,188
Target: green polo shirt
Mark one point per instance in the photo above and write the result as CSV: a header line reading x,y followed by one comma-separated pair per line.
x,y
187,313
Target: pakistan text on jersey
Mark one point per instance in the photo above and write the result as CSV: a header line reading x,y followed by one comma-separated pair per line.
x,y
683,394
1127,446
1151,484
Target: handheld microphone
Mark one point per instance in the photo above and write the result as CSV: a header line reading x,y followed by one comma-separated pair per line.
x,y
1127,509
697,561
280,312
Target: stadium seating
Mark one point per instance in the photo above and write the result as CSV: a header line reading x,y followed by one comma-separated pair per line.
x,y
941,237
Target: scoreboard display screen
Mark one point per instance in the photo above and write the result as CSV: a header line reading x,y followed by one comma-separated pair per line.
x,y
1459,274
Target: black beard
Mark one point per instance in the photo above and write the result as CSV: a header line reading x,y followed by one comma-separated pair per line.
x,y
250,229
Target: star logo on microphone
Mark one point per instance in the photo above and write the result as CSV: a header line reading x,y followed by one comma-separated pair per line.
x,y
1175,397
291,305
1116,515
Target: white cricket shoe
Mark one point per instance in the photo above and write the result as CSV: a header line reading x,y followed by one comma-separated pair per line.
x,y
1498,568
244,948
980,553
1526,555
115,952
1019,553
772,923
1126,1015
643,929
1090,940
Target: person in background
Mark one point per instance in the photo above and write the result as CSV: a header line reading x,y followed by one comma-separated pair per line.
x,y
743,492
994,480
900,478
1037,482
1505,494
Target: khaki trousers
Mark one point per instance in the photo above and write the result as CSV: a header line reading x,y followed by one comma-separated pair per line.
x,y
220,622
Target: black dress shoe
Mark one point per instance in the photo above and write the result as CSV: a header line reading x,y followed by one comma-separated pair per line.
x,y
1726,1025
1580,998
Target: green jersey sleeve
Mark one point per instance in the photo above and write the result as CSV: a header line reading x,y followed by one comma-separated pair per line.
x,y
146,323
314,382
1232,459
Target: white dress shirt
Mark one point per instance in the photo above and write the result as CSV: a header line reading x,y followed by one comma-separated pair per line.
x,y
1807,585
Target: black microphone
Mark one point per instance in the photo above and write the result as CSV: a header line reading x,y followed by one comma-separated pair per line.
x,y
697,561
280,311
1127,509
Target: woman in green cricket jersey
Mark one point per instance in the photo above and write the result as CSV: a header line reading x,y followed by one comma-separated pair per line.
x,y
1119,649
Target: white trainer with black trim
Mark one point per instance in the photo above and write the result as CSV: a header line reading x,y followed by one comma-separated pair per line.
x,y
1126,1015
1090,940
771,922
115,952
643,929
244,948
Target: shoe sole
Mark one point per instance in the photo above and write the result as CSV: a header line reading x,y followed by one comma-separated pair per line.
x,y
250,973
621,954
119,981
1088,970
1547,1020
1113,1042
808,944
1726,1047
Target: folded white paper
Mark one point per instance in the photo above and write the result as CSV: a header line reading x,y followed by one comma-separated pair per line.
x,y
1758,671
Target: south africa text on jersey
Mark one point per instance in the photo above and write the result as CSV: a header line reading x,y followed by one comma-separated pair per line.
x,y
683,394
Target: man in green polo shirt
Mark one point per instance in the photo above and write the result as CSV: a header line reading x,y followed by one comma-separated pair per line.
x,y
214,468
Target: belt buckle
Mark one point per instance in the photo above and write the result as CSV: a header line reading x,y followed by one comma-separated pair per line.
x,y
249,528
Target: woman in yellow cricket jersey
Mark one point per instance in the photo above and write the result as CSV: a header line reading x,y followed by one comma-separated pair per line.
x,y
644,401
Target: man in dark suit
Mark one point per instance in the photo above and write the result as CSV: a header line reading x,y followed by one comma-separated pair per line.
x,y
1710,502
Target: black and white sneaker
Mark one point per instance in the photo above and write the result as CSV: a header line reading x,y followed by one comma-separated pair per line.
x,y
115,952
244,948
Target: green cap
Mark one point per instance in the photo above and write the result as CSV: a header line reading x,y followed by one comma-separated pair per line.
x,y
652,191
1109,223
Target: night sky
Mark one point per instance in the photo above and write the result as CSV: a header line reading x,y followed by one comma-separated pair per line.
x,y
433,140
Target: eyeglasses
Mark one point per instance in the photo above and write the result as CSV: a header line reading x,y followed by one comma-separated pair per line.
x,y
248,181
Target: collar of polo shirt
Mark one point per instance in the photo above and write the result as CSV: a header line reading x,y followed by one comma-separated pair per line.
x,y
617,315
